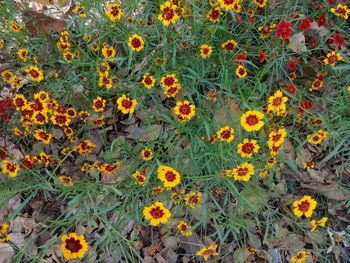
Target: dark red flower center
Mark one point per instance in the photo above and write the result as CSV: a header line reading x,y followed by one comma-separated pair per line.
x,y
136,43
185,109
170,176
127,104
304,206
248,148
168,13
73,245
157,212
226,134
34,73
252,120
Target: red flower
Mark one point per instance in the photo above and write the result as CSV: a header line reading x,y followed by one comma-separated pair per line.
x,y
332,2
6,109
305,24
262,56
291,88
313,43
304,105
284,30
292,63
321,20
339,39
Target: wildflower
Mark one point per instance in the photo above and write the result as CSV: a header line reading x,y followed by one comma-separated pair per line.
x,y
309,165
169,176
184,228
193,199
10,167
168,81
136,42
205,51
157,190
318,137
16,27
185,110
226,134
243,172
252,120
316,85
214,15
68,56
19,101
229,45
98,122
4,236
339,39
23,54
304,206
241,71
114,12
247,148
321,20
262,56
168,15
44,158
148,81
99,104
342,11
35,73
95,47
332,58
251,250
277,103
74,246
260,3
147,154
156,213
60,119
305,24
173,90
66,180
229,5
108,52
284,30
6,75
85,147
84,115
43,136
206,252
79,10
126,105
2,44
104,80
321,222
139,177
300,257
276,138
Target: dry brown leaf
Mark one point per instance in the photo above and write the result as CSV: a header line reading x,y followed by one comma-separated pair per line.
x,y
6,253
332,191
297,43
229,111
150,133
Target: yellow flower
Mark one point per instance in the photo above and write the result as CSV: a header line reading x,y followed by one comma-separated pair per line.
x,y
304,206
321,222
139,177
126,105
168,15
226,134
108,52
148,81
276,138
230,5
206,252
2,44
147,154
247,148
193,198
277,103
9,167
99,104
43,136
66,180
74,246
173,90
85,147
318,137
300,257
156,213
260,3
104,80
214,15
16,27
229,45
19,101
136,42
309,165
79,9
4,236
332,58
184,110
252,120
205,51
114,12
169,176
183,227
243,172
23,54
35,73
342,11
241,72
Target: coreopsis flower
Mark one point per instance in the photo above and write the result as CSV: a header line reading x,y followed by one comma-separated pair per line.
x,y
193,199
260,3
339,39
66,180
173,90
16,82
277,103
72,113
139,177
16,27
229,4
79,10
84,115
2,43
207,252
284,30
4,236
247,148
309,165
85,147
168,81
148,81
108,52
266,30
99,104
184,110
169,176
95,47
68,56
98,122
229,45
262,56
6,75
205,51
23,54
277,137
317,84
60,119
318,137
39,118
146,154
300,257
126,105
19,101
304,206
342,11
315,223
252,120
168,13
156,213
243,172
226,134
332,58
241,71
214,15
74,246
184,228
136,42
69,132
114,12
10,168
157,190
105,80
35,73
305,24
42,136
29,162
44,158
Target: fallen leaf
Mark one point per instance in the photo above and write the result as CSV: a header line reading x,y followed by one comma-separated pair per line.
x,y
297,43
229,111
150,133
6,253
332,191
322,31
